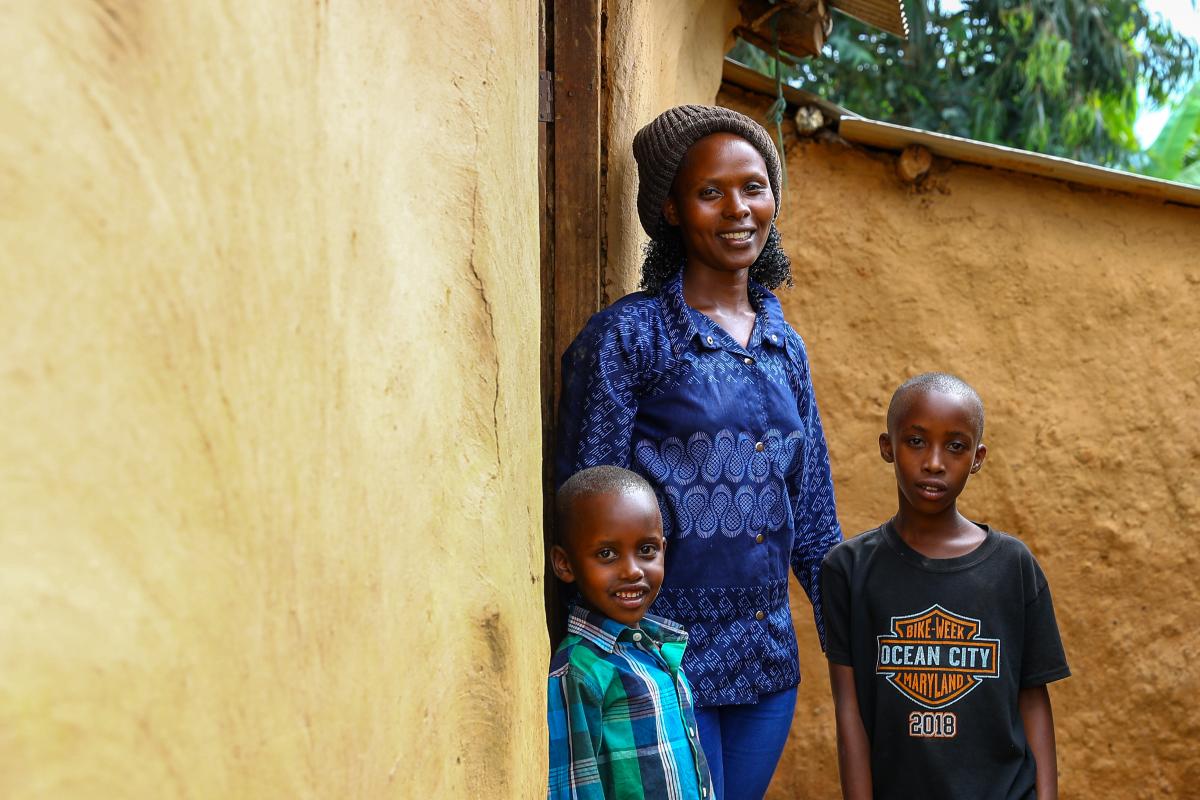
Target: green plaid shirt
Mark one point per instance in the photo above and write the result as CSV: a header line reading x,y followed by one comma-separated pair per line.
x,y
620,713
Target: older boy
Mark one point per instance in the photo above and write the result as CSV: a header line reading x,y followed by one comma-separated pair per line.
x,y
940,631
620,709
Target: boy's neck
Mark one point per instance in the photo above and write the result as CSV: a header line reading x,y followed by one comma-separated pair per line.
x,y
947,534
634,625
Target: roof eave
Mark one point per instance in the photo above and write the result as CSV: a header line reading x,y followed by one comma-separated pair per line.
x,y
886,136
886,15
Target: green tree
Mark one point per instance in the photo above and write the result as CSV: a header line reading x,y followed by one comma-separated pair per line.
x,y
1053,76
1175,154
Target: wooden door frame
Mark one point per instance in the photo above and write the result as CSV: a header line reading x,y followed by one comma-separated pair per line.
x,y
571,140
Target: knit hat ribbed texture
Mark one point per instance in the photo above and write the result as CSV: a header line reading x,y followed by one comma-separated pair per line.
x,y
660,146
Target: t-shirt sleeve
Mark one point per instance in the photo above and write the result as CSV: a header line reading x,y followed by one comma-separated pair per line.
x,y
1044,659
835,590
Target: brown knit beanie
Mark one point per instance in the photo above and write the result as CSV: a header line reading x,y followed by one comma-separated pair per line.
x,y
660,146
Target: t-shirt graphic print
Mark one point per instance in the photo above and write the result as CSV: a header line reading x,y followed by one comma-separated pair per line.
x,y
935,656
940,649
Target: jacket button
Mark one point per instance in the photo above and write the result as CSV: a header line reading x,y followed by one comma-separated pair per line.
x,y
759,446
637,637
748,361
759,538
709,340
759,615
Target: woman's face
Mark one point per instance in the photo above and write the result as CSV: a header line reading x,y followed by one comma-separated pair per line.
x,y
722,202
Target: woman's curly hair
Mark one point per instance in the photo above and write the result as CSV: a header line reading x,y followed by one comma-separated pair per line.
x,y
664,255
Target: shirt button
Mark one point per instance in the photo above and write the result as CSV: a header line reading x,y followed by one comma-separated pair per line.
x,y
774,338
759,446
759,538
637,637
748,361
709,340
759,615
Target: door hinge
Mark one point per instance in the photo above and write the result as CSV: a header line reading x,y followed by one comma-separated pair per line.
x,y
545,96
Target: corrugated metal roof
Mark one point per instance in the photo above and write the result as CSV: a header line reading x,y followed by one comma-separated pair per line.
x,y
887,15
886,136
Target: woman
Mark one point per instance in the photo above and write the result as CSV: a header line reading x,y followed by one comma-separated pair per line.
x,y
698,384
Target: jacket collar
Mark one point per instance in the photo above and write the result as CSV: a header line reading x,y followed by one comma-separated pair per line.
x,y
686,323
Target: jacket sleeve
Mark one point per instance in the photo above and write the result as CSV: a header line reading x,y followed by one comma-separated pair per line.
x,y
575,710
600,379
813,507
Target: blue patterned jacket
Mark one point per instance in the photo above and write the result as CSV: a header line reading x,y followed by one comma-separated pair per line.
x,y
731,441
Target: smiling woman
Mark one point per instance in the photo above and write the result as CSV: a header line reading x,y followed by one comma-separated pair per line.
x,y
698,384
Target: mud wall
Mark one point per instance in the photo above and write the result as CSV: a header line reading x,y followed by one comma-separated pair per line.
x,y
269,449
657,55
1074,313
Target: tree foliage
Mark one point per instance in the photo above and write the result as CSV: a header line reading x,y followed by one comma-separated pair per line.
x,y
1053,76
1175,154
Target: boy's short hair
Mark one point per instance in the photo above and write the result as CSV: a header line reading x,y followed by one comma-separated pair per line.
x,y
942,382
604,479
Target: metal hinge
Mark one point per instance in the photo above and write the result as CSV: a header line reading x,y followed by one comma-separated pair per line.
x,y
545,96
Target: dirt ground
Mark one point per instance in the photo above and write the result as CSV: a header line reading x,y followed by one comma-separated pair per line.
x,y
1074,313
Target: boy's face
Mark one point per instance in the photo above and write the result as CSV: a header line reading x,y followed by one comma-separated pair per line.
x,y
614,554
934,449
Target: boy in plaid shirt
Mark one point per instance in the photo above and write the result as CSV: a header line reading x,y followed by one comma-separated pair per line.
x,y
620,708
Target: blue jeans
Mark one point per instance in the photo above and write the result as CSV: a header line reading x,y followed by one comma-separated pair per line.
x,y
745,742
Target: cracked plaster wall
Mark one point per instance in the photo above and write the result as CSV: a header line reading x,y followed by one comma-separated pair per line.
x,y
270,436
1074,313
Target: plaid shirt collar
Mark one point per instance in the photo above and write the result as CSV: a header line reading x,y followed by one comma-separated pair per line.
x,y
605,633
685,323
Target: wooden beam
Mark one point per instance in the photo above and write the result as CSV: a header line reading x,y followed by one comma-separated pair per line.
x,y
741,76
555,615
571,183
577,153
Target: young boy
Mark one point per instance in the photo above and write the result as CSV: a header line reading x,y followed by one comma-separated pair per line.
x,y
940,631
620,709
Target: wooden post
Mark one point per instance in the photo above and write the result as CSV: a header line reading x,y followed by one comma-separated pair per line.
x,y
913,163
570,180
577,148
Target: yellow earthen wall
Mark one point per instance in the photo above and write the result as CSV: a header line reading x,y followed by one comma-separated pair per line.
x,y
270,466
657,55
1073,312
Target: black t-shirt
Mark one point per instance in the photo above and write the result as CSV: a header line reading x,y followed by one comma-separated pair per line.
x,y
940,648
